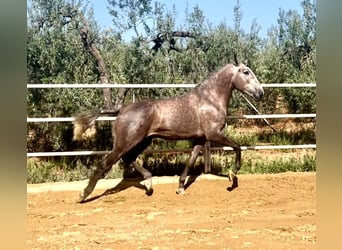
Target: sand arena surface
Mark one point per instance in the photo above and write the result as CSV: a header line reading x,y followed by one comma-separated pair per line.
x,y
270,211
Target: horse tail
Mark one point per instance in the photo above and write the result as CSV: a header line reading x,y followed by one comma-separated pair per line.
x,y
84,123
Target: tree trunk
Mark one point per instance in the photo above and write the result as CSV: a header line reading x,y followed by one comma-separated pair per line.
x,y
102,70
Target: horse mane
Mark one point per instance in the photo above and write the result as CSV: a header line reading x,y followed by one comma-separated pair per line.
x,y
212,78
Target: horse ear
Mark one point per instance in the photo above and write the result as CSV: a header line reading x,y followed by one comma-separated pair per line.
x,y
236,63
245,62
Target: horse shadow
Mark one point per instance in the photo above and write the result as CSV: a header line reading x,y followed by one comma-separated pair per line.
x,y
124,184
234,181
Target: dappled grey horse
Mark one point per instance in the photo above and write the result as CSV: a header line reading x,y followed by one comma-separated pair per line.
x,y
199,115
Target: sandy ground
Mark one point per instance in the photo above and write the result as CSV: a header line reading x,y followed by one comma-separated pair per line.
x,y
273,211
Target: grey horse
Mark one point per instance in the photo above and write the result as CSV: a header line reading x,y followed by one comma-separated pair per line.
x,y
199,115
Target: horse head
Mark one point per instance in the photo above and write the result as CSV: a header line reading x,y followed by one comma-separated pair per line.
x,y
245,81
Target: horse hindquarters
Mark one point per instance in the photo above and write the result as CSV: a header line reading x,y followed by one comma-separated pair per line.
x,y
131,136
129,140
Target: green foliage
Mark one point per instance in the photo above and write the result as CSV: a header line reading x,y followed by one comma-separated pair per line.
x,y
283,137
129,14
39,172
308,164
171,164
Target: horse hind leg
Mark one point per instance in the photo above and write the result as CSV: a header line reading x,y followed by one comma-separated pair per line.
x,y
194,154
99,173
148,178
131,156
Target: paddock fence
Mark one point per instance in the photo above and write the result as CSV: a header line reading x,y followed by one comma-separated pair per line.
x,y
207,148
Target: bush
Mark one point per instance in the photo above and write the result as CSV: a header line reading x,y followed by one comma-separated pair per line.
x,y
278,166
170,164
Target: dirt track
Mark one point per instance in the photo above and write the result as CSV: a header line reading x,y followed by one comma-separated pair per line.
x,y
264,212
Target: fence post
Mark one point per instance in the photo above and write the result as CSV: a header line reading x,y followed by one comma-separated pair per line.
x,y
207,167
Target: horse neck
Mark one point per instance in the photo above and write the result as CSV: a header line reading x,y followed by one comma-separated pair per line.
x,y
219,86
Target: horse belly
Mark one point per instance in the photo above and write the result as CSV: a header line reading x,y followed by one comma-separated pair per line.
x,y
178,125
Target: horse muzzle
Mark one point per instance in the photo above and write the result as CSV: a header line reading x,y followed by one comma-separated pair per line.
x,y
255,91
258,94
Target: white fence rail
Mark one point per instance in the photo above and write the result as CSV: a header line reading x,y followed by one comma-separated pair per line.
x,y
74,153
70,119
155,85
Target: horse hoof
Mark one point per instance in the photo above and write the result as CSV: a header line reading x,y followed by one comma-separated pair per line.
x,y
234,184
148,186
180,191
149,192
81,198
83,195
231,188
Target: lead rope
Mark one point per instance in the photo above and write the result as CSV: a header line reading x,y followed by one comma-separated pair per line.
x,y
256,110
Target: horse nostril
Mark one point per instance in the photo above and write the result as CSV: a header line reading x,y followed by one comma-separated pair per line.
x,y
258,94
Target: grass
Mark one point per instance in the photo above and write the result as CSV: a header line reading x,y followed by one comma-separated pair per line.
x,y
53,171
307,164
282,137
41,171
49,171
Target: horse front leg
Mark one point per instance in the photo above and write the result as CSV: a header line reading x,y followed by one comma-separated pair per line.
x,y
194,154
232,174
223,140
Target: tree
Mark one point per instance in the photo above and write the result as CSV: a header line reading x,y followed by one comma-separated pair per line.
x,y
54,55
130,14
289,56
62,48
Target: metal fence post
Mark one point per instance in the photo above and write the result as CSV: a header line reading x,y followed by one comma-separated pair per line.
x,y
207,167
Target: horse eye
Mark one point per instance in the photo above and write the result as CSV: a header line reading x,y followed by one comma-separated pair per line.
x,y
246,72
